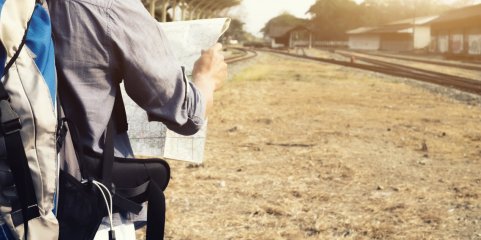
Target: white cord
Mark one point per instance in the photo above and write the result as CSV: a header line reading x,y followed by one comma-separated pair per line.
x,y
109,207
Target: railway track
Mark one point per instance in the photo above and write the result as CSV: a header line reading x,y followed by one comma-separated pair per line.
x,y
245,55
433,62
398,70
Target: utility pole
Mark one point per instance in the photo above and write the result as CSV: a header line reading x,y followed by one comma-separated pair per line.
x,y
414,25
164,10
174,10
152,7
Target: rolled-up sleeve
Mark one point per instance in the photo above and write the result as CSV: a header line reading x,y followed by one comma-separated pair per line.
x,y
152,77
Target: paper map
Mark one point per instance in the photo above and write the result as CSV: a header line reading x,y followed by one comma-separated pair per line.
x,y
153,139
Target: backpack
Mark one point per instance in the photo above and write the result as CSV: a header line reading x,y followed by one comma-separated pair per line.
x,y
28,156
32,186
108,184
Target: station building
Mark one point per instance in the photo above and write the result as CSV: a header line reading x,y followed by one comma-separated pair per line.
x,y
458,32
282,36
362,39
403,35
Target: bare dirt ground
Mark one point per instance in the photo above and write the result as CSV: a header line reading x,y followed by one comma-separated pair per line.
x,y
302,150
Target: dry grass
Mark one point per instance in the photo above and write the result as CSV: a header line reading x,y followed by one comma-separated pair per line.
x,y
302,150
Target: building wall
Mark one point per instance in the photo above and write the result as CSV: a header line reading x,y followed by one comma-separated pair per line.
x,y
275,44
443,42
364,42
397,42
299,38
422,37
457,41
300,43
461,37
280,42
474,41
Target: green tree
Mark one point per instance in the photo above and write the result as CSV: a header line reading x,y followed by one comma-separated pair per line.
x,y
332,18
380,12
283,21
236,30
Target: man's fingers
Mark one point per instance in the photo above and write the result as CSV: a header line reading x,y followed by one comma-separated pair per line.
x,y
217,47
214,51
221,57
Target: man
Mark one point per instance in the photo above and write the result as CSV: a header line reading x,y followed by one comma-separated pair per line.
x,y
100,43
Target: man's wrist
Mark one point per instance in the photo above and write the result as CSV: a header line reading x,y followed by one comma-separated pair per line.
x,y
206,88
204,82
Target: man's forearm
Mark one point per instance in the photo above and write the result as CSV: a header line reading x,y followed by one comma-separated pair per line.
x,y
206,89
209,72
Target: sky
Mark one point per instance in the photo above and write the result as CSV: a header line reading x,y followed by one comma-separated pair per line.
x,y
256,13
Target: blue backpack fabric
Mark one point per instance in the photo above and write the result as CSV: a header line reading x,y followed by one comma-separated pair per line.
x,y
28,153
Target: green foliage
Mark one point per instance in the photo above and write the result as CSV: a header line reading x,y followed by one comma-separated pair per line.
x,y
236,32
331,18
378,12
284,20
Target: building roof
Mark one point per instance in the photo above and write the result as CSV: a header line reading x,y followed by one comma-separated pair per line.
x,y
204,6
360,30
459,14
418,20
391,28
400,26
280,31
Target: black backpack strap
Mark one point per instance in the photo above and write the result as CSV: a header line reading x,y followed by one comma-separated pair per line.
x,y
13,152
119,113
120,126
17,53
108,155
155,212
156,198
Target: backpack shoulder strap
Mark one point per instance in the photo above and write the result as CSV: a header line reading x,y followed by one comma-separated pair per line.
x,y
12,152
14,23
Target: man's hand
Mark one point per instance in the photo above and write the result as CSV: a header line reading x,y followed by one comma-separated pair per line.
x,y
210,72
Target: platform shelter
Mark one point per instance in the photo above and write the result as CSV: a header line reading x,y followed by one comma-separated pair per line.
x,y
174,10
458,32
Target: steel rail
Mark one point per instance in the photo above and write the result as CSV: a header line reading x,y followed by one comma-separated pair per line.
x,y
440,63
460,83
246,54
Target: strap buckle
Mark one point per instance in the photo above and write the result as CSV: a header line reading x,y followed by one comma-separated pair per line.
x,y
61,132
10,121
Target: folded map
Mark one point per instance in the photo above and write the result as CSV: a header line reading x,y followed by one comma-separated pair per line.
x,y
153,139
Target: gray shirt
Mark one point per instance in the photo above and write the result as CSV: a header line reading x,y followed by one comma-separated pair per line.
x,y
98,44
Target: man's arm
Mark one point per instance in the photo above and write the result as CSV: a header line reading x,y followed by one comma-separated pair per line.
x,y
153,78
209,74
